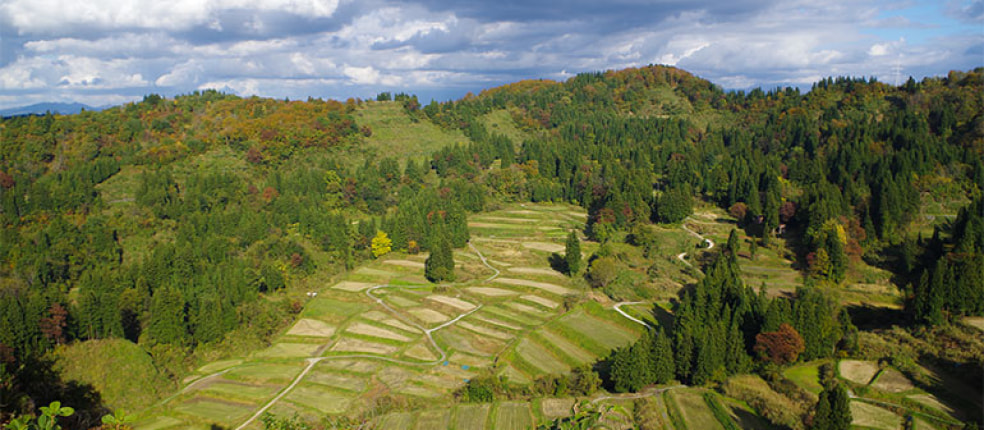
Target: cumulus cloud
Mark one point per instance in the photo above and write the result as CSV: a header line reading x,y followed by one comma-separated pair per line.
x,y
115,50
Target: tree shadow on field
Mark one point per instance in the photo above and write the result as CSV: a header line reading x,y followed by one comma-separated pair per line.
x,y
558,263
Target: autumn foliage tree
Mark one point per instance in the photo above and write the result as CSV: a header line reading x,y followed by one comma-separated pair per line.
x,y
781,347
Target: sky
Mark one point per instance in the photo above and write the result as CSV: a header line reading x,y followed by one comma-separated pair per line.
x,y
109,52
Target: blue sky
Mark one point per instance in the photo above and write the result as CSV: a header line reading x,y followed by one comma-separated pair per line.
x,y
103,52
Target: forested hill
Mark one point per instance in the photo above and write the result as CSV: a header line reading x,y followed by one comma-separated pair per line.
x,y
174,223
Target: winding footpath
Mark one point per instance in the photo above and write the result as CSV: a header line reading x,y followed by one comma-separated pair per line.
x,y
710,243
618,308
427,332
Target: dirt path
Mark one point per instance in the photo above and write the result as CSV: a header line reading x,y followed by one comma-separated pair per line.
x,y
427,332
632,396
710,243
618,308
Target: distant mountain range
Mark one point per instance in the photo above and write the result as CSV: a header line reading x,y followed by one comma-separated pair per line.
x,y
42,108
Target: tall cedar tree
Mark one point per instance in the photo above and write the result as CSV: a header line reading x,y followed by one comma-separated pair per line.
x,y
439,265
572,254
833,411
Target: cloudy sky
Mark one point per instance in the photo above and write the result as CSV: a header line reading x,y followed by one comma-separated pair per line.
x,y
102,52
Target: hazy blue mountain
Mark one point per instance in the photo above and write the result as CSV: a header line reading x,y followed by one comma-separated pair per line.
x,y
41,108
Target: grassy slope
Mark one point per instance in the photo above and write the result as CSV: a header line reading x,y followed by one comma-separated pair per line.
x,y
118,369
396,134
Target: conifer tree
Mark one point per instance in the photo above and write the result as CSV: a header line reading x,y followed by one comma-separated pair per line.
x,y
439,265
167,323
664,366
572,254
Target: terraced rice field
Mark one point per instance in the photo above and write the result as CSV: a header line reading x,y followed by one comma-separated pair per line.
x,y
370,334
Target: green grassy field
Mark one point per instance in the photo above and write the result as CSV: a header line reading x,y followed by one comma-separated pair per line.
x,y
470,416
513,416
806,375
396,134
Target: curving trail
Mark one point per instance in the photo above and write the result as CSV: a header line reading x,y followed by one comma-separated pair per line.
x,y
427,332
618,308
710,243
637,395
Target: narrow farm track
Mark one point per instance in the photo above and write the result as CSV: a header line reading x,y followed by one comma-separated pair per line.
x,y
618,308
710,243
427,332
631,396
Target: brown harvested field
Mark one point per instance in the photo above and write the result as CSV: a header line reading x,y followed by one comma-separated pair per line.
x,y
373,331
540,301
310,327
529,310
420,352
347,344
490,292
872,416
695,411
452,302
931,401
857,371
514,375
892,381
288,350
354,366
556,408
352,286
507,219
496,322
544,246
437,419
337,380
405,263
535,271
485,331
976,322
429,316
550,288
390,321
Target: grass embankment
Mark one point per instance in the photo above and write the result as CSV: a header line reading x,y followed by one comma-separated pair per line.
x,y
122,372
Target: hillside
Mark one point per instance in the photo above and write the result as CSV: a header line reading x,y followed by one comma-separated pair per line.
x,y
199,228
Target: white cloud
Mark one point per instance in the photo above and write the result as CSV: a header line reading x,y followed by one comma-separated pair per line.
x,y
58,16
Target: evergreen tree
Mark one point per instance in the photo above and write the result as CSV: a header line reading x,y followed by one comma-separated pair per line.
x,y
664,366
439,265
572,254
833,410
167,317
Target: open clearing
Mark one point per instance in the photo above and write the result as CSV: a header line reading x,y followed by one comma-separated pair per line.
x,y
429,316
567,347
599,331
373,331
453,302
555,408
430,420
858,372
211,409
976,322
317,397
550,288
807,376
892,381
352,286
491,292
695,411
310,327
405,263
535,271
540,301
348,344
544,246
338,380
470,416
540,358
513,416
931,401
289,350
872,416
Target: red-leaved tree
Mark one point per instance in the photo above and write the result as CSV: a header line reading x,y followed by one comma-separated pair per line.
x,y
781,346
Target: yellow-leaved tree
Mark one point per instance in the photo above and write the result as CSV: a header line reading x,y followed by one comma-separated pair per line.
x,y
381,244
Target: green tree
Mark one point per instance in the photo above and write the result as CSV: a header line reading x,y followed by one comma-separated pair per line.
x,y
439,265
572,254
833,410
167,321
664,367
